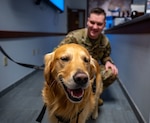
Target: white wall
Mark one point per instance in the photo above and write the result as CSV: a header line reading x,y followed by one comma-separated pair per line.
x,y
24,15
131,54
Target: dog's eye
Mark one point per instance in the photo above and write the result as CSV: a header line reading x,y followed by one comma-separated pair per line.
x,y
86,60
65,59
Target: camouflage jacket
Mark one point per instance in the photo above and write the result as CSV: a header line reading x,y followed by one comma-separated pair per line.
x,y
99,49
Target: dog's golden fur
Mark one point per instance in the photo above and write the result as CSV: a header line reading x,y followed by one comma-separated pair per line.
x,y
69,75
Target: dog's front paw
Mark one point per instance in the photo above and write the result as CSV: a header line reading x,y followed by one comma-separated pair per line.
x,y
94,115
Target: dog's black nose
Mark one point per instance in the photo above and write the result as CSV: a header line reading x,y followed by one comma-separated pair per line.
x,y
80,78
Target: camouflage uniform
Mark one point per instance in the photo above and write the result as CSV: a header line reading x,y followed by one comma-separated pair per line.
x,y
99,49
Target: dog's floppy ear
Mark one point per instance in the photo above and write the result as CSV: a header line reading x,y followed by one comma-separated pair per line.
x,y
95,74
48,59
93,68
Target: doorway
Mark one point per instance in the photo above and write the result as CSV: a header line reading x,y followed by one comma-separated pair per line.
x,y
75,18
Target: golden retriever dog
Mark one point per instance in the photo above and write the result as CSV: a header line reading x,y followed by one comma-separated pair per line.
x,y
70,72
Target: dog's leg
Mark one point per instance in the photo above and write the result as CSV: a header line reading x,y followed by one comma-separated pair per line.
x,y
81,119
95,112
84,115
98,91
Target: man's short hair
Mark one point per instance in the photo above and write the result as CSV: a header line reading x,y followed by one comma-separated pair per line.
x,y
98,11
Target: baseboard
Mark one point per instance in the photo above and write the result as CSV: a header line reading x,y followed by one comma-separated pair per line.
x,y
3,92
131,102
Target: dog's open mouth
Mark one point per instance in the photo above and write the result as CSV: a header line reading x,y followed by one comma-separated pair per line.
x,y
74,95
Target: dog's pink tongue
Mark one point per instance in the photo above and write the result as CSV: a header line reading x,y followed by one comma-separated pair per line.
x,y
77,92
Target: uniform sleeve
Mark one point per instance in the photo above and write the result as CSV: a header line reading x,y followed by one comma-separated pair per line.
x,y
70,38
106,57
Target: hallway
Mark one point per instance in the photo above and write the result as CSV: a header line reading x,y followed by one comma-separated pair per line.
x,y
23,103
